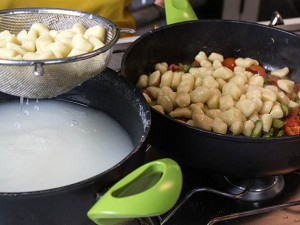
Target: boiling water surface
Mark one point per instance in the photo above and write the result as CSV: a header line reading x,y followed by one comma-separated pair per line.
x,y
50,144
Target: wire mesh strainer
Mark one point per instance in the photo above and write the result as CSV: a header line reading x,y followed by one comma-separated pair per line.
x,y
49,78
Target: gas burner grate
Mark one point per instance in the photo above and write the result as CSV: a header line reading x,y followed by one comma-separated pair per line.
x,y
256,189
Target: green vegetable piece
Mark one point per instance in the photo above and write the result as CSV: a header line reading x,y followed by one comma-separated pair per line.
x,y
277,123
267,135
184,67
256,132
285,109
280,133
271,133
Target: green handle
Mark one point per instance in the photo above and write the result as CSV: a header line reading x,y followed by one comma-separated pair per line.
x,y
179,11
150,190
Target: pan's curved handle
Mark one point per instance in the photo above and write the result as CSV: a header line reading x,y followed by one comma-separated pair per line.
x,y
150,190
276,19
179,11
127,30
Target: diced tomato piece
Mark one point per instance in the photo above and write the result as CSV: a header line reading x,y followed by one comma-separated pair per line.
x,y
196,63
292,130
229,63
273,80
292,123
256,69
294,113
296,87
174,67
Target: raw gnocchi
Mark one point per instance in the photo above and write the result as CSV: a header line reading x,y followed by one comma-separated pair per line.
x,y
211,96
41,43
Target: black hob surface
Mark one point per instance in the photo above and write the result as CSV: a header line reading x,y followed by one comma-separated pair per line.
x,y
206,200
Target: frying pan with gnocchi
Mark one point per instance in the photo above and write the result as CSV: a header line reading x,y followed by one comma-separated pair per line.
x,y
225,95
41,43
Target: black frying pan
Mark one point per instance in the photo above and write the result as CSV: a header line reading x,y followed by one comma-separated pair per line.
x,y
224,154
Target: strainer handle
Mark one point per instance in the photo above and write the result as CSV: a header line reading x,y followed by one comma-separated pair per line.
x,y
38,69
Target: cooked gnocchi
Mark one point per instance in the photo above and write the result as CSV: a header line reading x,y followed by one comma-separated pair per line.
x,y
225,95
41,43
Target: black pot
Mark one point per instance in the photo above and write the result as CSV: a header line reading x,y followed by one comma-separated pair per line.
x,y
224,154
68,205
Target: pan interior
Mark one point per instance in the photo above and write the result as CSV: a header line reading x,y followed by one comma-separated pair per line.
x,y
55,143
102,97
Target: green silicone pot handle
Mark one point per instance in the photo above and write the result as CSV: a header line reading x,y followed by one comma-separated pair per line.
x,y
150,190
179,11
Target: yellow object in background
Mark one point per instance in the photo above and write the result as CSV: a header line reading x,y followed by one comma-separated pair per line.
x,y
114,10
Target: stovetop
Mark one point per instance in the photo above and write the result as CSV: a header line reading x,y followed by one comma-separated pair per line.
x,y
204,200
